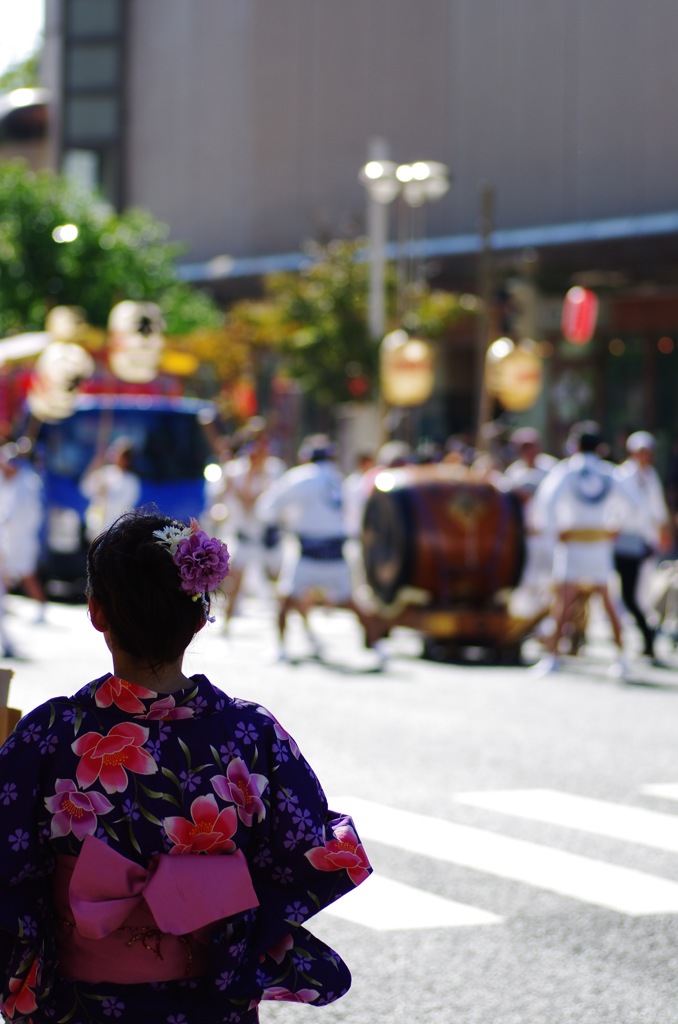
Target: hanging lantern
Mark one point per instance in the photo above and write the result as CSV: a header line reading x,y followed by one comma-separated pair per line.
x,y
580,313
136,341
59,370
66,323
513,373
407,370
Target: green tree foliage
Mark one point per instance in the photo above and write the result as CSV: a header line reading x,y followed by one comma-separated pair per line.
x,y
114,257
23,75
317,321
323,322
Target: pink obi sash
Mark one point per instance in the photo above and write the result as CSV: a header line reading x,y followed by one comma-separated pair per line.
x,y
121,923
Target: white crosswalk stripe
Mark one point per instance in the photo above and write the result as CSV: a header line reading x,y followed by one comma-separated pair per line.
x,y
591,881
386,905
669,790
598,817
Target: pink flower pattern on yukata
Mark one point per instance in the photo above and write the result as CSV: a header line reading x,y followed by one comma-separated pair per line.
x,y
281,733
75,811
345,852
244,789
109,758
166,710
282,947
126,696
224,777
22,998
210,830
302,995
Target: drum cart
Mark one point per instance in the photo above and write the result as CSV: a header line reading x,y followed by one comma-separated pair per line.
x,y
442,552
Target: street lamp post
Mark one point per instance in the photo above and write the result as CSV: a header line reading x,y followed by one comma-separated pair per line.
x,y
418,183
378,177
415,184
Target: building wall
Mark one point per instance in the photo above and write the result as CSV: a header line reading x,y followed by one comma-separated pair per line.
x,y
267,111
249,120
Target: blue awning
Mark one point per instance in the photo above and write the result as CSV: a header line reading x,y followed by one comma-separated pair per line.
x,y
540,236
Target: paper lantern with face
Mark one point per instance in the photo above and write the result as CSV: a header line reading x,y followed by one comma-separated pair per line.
x,y
136,340
59,370
66,323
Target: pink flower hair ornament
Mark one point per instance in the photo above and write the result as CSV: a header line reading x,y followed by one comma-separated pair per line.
x,y
202,560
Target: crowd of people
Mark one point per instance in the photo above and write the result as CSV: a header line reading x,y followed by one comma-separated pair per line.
x,y
288,528
99,920
592,527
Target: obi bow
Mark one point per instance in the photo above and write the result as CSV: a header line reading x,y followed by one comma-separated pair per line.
x,y
183,892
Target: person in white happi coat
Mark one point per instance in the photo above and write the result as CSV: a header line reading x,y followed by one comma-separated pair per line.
x,y
356,489
111,486
580,505
254,549
646,533
524,475
307,503
21,518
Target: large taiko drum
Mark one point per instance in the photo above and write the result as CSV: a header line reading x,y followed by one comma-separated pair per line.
x,y
460,540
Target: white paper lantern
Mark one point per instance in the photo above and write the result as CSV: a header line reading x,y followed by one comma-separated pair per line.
x,y
407,369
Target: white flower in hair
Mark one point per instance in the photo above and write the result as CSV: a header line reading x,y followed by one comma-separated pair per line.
x,y
170,536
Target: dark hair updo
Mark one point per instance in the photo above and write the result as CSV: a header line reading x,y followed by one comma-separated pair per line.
x,y
135,581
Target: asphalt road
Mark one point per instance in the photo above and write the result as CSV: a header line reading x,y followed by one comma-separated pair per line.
x,y
524,830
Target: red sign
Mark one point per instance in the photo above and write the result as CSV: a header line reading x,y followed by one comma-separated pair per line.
x,y
580,312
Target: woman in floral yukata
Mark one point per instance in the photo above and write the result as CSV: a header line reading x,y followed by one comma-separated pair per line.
x,y
162,844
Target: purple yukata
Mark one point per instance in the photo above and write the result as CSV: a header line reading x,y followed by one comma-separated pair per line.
x,y
159,857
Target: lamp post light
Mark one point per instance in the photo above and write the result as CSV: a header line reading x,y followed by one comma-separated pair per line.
x,y
420,183
384,180
406,363
423,181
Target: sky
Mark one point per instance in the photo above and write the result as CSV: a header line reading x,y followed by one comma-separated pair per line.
x,y
21,22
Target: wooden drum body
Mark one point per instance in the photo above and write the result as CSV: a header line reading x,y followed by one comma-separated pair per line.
x,y
457,539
